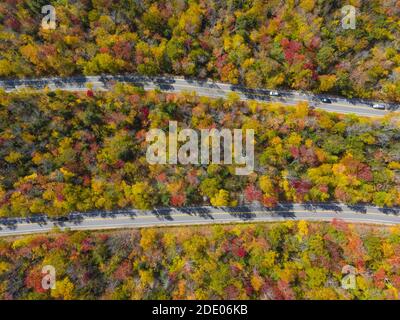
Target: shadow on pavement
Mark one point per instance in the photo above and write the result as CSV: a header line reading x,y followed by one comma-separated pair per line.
x,y
201,212
163,214
9,223
284,214
358,208
245,212
394,211
328,206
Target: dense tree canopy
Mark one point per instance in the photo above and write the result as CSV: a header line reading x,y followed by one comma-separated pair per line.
x,y
291,44
290,260
63,151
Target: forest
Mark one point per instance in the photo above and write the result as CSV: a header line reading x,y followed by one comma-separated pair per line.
x,y
79,151
298,45
288,260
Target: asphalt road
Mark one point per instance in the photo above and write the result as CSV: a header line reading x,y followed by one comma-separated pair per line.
x,y
121,219
201,88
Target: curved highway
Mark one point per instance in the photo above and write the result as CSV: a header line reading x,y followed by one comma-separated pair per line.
x,y
120,219
202,88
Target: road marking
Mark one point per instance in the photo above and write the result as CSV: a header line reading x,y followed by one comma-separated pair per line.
x,y
303,99
221,90
218,213
188,222
317,211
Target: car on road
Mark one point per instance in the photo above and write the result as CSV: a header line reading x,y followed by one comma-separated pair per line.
x,y
378,106
59,219
326,100
274,93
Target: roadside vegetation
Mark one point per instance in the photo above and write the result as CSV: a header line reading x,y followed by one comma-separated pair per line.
x,y
291,260
299,45
63,151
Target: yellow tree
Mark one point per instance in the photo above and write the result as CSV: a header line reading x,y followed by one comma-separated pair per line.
x,y
141,195
326,82
64,290
220,199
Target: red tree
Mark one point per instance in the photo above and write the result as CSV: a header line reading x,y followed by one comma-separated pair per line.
x,y
251,193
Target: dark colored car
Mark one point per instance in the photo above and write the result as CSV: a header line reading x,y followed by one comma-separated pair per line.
x,y
326,100
59,219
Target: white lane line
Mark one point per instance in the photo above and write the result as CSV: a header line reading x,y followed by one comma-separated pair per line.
x,y
95,80
262,214
193,222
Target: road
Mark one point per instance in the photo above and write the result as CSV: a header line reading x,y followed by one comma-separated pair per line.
x,y
121,219
201,88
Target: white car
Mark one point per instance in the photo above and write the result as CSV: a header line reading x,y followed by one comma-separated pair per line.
x,y
274,93
378,106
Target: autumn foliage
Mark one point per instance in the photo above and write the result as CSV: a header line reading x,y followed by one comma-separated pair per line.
x,y
289,260
62,152
272,44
